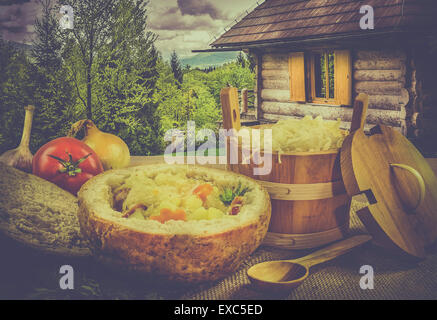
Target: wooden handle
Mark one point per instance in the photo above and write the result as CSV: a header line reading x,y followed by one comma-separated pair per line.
x,y
360,111
332,251
230,108
419,178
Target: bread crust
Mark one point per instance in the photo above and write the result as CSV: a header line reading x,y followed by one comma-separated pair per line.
x,y
38,214
179,257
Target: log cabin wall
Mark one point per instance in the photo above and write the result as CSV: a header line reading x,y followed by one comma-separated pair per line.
x,y
379,73
382,75
422,109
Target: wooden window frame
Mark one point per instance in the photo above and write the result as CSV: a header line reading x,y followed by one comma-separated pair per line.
x,y
303,82
297,71
312,79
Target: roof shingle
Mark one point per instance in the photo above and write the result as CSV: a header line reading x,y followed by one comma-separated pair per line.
x,y
279,20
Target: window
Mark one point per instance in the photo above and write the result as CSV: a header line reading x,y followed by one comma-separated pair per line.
x,y
321,77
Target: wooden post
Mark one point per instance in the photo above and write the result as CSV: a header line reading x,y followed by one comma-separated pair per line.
x,y
259,85
230,108
231,117
244,101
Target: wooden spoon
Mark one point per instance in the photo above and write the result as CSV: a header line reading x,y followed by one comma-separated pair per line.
x,y
288,274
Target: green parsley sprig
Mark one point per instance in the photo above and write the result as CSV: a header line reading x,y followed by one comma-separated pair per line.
x,y
229,194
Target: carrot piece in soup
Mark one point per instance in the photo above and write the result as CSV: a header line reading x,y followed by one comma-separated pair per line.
x,y
203,191
167,214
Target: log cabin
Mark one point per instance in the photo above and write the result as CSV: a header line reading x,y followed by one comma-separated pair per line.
x,y
314,56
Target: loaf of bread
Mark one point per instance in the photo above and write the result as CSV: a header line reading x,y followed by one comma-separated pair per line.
x,y
39,214
188,251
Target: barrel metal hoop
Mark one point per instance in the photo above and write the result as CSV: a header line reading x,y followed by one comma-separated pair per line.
x,y
312,191
305,241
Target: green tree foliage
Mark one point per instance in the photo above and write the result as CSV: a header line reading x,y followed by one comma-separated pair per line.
x,y
53,97
94,21
38,80
46,48
127,75
252,62
241,60
54,100
169,98
247,60
176,68
199,97
231,74
16,91
119,79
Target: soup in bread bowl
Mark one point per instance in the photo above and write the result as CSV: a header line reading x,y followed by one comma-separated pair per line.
x,y
185,223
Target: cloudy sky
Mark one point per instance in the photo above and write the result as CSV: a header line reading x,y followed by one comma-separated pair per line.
x,y
181,25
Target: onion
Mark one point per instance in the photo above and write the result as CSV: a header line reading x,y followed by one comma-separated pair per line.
x,y
112,150
21,157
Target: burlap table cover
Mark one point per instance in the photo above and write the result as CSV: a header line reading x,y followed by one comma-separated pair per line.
x,y
394,277
25,274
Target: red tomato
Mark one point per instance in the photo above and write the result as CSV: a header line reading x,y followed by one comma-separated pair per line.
x,y
67,162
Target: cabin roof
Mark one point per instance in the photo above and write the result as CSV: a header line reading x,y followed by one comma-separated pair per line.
x,y
293,20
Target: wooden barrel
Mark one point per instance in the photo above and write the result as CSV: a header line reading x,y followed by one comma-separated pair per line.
x,y
310,206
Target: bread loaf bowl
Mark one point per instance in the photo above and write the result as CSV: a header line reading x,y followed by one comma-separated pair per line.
x,y
189,250
38,214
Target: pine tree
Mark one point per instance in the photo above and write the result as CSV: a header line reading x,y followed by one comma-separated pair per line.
x,y
252,62
6,53
53,94
176,68
241,60
11,83
127,73
46,47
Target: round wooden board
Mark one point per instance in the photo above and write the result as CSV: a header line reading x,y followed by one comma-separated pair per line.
x,y
391,191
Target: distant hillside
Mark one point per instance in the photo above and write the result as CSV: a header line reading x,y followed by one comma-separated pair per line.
x,y
209,59
21,46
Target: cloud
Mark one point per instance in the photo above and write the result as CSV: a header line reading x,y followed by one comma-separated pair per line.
x,y
183,42
9,2
174,20
183,29
181,25
17,19
200,7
